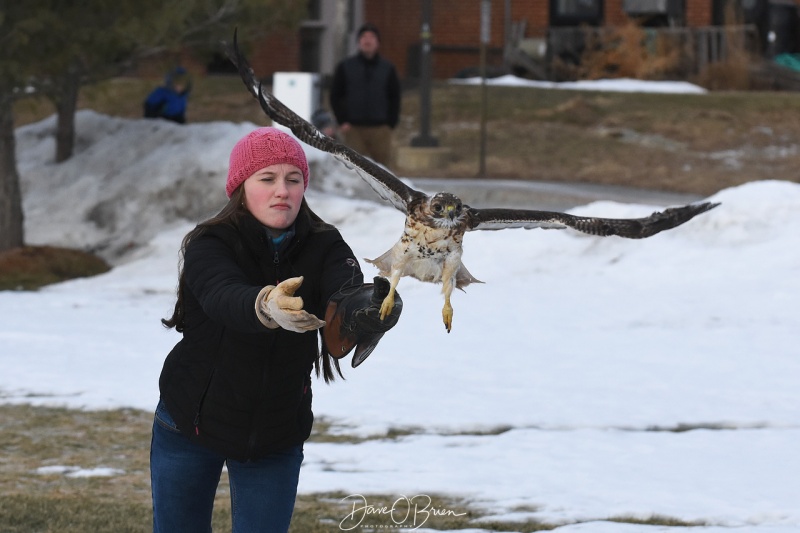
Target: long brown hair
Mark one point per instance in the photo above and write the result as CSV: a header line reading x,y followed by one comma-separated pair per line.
x,y
231,214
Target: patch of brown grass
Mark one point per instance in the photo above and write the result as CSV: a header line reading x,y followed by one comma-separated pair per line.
x,y
685,143
31,267
33,437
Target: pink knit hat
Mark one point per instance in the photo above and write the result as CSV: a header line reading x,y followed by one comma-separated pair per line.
x,y
260,149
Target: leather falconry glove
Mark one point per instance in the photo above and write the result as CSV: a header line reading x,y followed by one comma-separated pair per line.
x,y
354,320
279,307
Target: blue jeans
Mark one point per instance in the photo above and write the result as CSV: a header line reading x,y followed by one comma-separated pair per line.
x,y
184,478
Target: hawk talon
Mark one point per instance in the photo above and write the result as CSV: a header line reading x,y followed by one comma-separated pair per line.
x,y
447,316
387,306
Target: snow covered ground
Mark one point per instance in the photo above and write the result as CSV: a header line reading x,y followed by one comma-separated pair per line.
x,y
626,85
560,391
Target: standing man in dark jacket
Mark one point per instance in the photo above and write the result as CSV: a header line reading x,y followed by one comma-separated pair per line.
x,y
365,97
255,281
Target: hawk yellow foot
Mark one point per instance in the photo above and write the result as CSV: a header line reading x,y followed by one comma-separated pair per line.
x,y
387,305
447,316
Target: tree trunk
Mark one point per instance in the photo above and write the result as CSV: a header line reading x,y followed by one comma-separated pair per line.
x,y
11,219
66,106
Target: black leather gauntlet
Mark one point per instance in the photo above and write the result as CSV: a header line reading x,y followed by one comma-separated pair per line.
x,y
353,320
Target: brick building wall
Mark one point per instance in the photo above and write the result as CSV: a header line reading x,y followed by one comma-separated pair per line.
x,y
698,13
456,29
455,37
455,32
399,24
277,52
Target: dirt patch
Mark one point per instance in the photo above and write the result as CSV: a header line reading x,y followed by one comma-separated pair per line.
x,y
31,267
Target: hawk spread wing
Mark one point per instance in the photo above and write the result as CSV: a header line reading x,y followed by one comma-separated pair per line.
x,y
430,248
631,228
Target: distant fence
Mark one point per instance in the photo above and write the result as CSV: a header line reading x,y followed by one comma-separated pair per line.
x,y
713,44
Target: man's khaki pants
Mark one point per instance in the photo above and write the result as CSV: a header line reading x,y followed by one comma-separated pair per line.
x,y
372,141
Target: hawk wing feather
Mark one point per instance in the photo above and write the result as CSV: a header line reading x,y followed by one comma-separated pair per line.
x,y
631,228
387,185
391,188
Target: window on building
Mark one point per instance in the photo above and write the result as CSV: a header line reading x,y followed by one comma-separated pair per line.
x,y
655,13
574,12
739,11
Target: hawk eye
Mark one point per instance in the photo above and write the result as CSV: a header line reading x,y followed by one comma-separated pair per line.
x,y
437,208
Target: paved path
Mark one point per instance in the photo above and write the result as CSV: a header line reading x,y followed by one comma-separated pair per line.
x,y
546,195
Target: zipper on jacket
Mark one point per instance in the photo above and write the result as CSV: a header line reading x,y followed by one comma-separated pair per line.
x,y
276,257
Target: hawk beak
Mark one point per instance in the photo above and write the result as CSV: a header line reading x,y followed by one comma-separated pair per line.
x,y
451,212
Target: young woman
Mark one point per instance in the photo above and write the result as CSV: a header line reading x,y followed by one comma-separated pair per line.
x,y
236,389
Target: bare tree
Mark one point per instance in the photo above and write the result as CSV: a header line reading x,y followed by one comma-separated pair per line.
x,y
11,219
14,40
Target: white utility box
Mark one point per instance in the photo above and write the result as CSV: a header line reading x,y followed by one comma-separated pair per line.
x,y
299,91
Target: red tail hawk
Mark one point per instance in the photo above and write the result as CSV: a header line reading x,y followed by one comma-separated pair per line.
x,y
430,247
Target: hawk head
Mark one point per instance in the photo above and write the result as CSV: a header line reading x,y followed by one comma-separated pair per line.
x,y
445,210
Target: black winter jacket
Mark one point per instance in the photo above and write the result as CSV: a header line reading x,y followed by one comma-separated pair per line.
x,y
232,384
366,92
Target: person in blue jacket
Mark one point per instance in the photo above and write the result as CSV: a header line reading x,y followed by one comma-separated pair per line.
x,y
169,101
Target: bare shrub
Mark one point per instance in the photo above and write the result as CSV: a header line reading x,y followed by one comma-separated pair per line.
x,y
629,51
733,73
